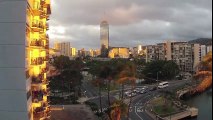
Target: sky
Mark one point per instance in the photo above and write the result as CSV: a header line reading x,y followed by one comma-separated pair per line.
x,y
132,22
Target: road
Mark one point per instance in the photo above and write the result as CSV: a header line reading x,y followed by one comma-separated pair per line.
x,y
137,111
89,89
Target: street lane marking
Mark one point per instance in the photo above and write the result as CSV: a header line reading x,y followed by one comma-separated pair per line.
x,y
137,114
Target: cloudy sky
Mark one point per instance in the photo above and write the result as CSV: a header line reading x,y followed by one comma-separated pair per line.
x,y
132,22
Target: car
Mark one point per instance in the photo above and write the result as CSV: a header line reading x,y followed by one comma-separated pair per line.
x,y
127,93
153,88
137,90
144,88
131,94
163,85
143,91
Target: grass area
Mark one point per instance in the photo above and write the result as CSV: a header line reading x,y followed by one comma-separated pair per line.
x,y
164,110
162,106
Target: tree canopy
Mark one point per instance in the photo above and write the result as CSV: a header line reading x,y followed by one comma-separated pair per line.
x,y
161,69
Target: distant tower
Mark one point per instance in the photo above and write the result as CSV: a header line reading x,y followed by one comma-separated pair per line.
x,y
104,36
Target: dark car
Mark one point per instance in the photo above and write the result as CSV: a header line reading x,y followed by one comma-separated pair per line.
x,y
153,88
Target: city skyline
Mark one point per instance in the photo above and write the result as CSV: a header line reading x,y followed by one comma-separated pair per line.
x,y
139,22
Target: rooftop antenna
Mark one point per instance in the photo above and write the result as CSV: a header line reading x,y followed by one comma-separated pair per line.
x,y
104,17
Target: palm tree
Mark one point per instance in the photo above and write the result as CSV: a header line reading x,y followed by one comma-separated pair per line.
x,y
118,109
204,73
128,75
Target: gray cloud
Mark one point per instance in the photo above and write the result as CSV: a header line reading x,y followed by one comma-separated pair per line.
x,y
132,22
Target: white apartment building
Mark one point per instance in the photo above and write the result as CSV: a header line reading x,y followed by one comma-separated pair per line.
x,y
24,54
186,55
151,53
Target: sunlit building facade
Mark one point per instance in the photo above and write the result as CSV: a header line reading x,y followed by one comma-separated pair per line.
x,y
104,36
73,52
63,47
24,46
119,52
186,55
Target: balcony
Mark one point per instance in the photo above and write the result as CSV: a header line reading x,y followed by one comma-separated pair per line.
x,y
39,113
43,14
48,112
46,106
37,61
36,8
44,70
37,43
36,80
46,92
46,58
37,96
37,26
43,2
46,4
47,26
45,82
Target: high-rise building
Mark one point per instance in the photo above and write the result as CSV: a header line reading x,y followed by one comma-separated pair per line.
x,y
209,48
63,47
186,55
104,36
73,52
24,46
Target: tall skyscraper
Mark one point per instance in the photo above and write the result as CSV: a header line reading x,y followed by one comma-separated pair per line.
x,y
24,54
104,36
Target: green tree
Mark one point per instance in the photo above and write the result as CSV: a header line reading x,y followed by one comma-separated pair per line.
x,y
170,70
161,69
70,76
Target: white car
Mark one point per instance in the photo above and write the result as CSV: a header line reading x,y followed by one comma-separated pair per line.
x,y
163,85
132,94
137,90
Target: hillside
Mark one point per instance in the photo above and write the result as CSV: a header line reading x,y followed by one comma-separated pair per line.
x,y
202,41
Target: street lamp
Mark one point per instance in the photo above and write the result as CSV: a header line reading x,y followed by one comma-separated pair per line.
x,y
158,75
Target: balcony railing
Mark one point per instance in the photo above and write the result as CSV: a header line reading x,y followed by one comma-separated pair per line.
x,y
36,80
37,24
45,82
43,14
37,43
37,61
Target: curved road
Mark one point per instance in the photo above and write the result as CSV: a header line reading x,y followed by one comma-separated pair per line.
x,y
137,111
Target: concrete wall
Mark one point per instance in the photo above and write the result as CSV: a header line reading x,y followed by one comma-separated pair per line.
x,y
13,97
